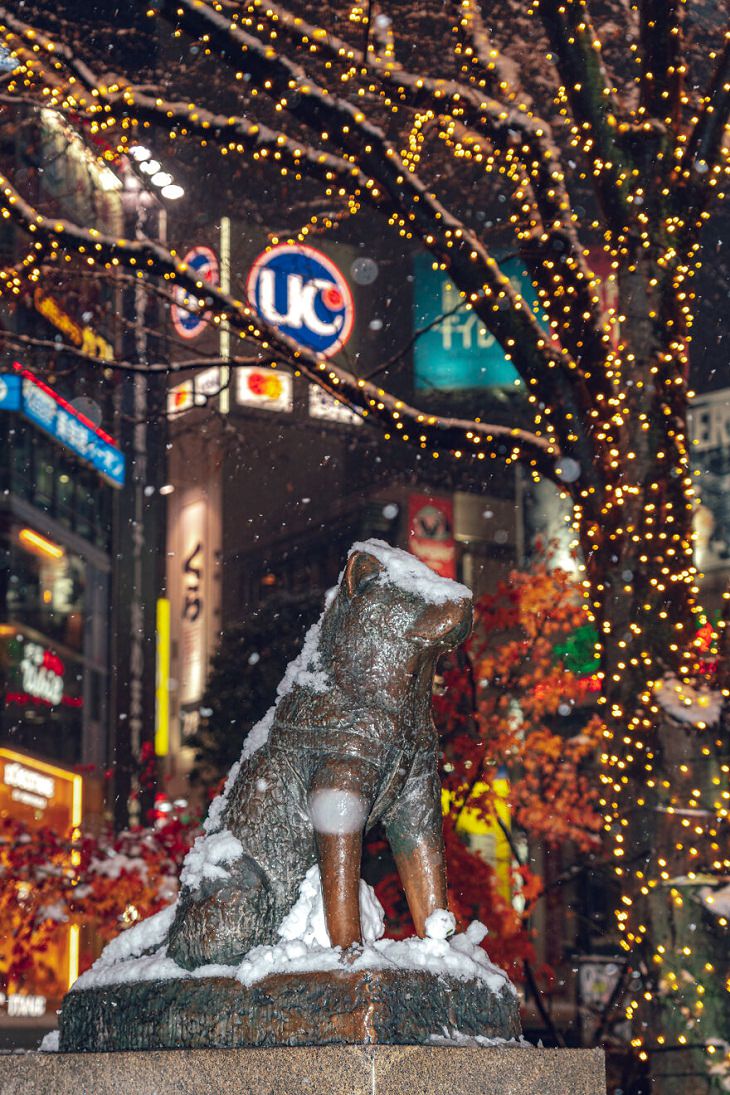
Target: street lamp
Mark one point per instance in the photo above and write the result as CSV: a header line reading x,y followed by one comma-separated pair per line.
x,y
151,167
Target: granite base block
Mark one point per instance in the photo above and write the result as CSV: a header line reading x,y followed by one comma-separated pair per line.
x,y
313,1070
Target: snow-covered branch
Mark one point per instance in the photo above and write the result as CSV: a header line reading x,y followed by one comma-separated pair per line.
x,y
113,94
550,373
512,130
150,260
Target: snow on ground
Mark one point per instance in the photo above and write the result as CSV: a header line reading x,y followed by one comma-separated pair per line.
x,y
696,706
453,1037
305,947
49,1042
411,575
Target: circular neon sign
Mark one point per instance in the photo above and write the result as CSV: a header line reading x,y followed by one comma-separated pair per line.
x,y
188,320
302,293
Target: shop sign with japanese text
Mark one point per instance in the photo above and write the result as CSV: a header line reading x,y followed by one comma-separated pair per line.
x,y
23,392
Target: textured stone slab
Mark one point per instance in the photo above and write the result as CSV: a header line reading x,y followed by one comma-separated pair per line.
x,y
393,1007
316,1070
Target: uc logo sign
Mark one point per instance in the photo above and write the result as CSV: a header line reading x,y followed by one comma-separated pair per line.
x,y
302,293
190,322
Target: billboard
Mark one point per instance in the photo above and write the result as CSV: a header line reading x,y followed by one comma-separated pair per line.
x,y
187,319
194,392
341,302
41,695
458,353
304,294
267,389
325,406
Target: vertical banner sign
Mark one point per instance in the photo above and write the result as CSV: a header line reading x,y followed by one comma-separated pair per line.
x,y
162,702
193,611
431,533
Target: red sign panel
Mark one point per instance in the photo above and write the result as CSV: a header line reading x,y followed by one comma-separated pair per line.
x,y
431,533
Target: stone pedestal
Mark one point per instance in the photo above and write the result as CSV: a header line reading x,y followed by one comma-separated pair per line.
x,y
314,1070
365,1007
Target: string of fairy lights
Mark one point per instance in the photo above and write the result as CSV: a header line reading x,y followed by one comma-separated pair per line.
x,y
595,390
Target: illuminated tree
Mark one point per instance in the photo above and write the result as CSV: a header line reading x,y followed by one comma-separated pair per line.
x,y
412,116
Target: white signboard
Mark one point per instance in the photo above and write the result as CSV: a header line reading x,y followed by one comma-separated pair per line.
x,y
193,609
31,787
323,405
268,389
194,392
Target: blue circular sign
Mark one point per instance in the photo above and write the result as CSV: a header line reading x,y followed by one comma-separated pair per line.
x,y
301,292
188,321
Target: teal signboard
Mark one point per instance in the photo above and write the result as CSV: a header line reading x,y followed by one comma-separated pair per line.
x,y
459,353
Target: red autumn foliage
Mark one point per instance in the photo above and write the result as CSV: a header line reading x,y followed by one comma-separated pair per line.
x,y
104,883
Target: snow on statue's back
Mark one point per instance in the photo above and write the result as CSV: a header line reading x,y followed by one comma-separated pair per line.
x,y
348,742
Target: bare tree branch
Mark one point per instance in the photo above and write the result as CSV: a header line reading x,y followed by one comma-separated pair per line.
x,y
662,61
587,89
167,368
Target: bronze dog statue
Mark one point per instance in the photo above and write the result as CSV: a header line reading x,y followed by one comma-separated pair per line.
x,y
350,742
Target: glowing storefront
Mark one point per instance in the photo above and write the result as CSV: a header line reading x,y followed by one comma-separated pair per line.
x,y
39,795
58,471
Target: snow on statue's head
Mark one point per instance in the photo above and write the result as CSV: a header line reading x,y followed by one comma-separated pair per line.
x,y
397,615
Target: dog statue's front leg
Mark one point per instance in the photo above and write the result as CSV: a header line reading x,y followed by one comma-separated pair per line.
x,y
339,800
415,833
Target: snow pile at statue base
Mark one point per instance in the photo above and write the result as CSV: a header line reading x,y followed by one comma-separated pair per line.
x,y
139,954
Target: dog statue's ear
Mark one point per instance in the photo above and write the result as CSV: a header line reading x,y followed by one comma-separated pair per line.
x,y
361,569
